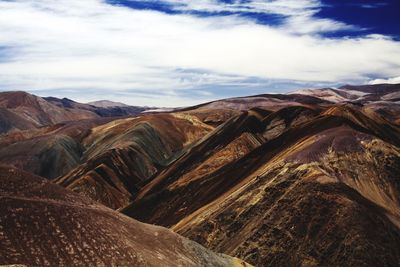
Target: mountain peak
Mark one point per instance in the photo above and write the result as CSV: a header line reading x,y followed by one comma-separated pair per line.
x,y
106,104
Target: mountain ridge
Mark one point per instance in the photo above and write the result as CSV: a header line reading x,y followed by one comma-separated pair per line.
x,y
26,111
308,178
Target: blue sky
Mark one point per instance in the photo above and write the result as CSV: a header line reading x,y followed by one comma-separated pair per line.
x,y
370,17
177,53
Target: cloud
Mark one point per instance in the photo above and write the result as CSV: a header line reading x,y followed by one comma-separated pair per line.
x,y
297,16
373,5
393,80
281,7
93,46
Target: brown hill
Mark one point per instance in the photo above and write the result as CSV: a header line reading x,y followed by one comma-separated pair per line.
x,y
303,179
382,98
38,110
265,101
121,156
107,104
320,190
47,151
21,111
111,110
45,225
11,122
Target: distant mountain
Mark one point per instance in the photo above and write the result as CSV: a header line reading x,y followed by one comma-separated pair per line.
x,y
30,111
106,104
382,98
377,89
23,111
102,111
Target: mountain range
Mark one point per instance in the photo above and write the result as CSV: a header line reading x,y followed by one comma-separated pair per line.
x,y
22,111
307,178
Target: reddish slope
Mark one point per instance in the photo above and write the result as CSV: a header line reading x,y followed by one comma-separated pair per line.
x,y
294,181
48,151
265,101
290,201
11,122
382,98
42,224
122,155
21,111
38,110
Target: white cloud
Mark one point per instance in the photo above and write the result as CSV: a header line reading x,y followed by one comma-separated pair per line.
x,y
281,7
298,14
75,44
393,80
373,5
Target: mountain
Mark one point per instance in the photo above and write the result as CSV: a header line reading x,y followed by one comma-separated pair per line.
x,y
121,156
106,104
48,151
24,111
382,98
43,224
9,121
29,111
378,89
265,101
296,187
308,178
102,111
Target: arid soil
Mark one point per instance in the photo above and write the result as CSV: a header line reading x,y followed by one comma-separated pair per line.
x,y
42,224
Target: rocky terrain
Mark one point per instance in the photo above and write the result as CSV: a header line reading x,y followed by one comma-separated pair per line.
x,y
312,195
121,156
308,178
43,224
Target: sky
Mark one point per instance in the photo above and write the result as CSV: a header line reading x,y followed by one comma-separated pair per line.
x,y
170,53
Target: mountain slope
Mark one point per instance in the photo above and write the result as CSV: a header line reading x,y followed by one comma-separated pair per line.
x,y
42,224
11,122
122,155
319,191
303,179
21,111
382,98
47,151
38,110
107,104
111,110
266,101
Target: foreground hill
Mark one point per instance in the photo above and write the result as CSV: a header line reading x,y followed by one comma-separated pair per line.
x,y
45,225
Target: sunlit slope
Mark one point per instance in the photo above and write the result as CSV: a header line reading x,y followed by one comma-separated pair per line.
x,y
319,187
122,155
